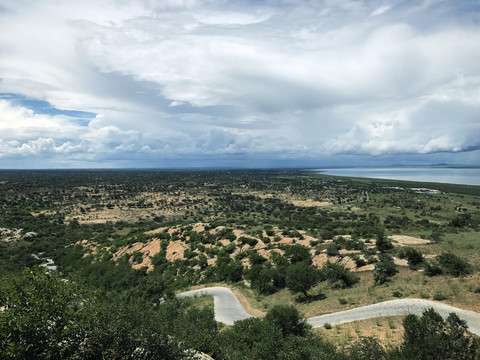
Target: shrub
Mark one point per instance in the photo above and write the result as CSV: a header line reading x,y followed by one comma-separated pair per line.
x,y
384,269
414,257
287,319
338,275
137,257
438,296
332,249
453,265
367,348
432,269
383,243
297,253
397,294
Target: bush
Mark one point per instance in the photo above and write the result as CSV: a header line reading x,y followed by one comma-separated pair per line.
x,y
339,276
332,249
384,269
288,320
397,294
453,265
47,318
438,296
250,339
432,269
367,348
297,253
383,244
414,257
137,257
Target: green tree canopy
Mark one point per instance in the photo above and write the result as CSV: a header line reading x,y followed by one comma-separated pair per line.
x,y
301,277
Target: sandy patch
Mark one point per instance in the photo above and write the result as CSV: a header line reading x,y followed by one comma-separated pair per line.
x,y
321,259
348,263
367,267
267,253
348,252
91,247
310,203
400,262
404,240
156,231
149,250
175,250
198,228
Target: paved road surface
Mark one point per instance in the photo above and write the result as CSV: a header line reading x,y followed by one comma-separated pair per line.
x,y
228,309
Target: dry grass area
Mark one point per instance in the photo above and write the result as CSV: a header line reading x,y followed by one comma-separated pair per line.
x,y
310,203
158,204
388,330
290,198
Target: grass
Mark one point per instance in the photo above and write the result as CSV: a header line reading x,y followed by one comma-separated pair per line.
x,y
388,330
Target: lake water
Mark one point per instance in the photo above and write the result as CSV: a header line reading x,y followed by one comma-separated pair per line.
x,y
451,175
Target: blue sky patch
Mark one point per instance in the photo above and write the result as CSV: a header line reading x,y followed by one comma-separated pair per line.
x,y
44,107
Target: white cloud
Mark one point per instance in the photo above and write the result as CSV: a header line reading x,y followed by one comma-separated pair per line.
x,y
381,10
181,78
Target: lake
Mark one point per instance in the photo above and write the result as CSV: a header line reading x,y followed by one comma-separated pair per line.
x,y
451,175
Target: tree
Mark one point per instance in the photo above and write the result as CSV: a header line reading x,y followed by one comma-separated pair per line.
x,y
301,277
265,281
251,338
367,348
383,243
288,320
414,257
338,275
40,317
430,337
297,253
307,348
453,265
226,269
45,317
384,269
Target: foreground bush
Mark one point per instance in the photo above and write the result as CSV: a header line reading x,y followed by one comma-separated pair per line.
x,y
46,317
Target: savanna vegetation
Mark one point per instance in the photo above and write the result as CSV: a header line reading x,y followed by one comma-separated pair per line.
x,y
87,256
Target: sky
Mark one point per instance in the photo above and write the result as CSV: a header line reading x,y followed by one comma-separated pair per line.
x,y
218,83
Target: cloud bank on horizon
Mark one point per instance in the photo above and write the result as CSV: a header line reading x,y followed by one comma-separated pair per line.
x,y
181,83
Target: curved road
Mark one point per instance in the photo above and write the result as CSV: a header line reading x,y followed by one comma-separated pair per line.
x,y
228,309
226,305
